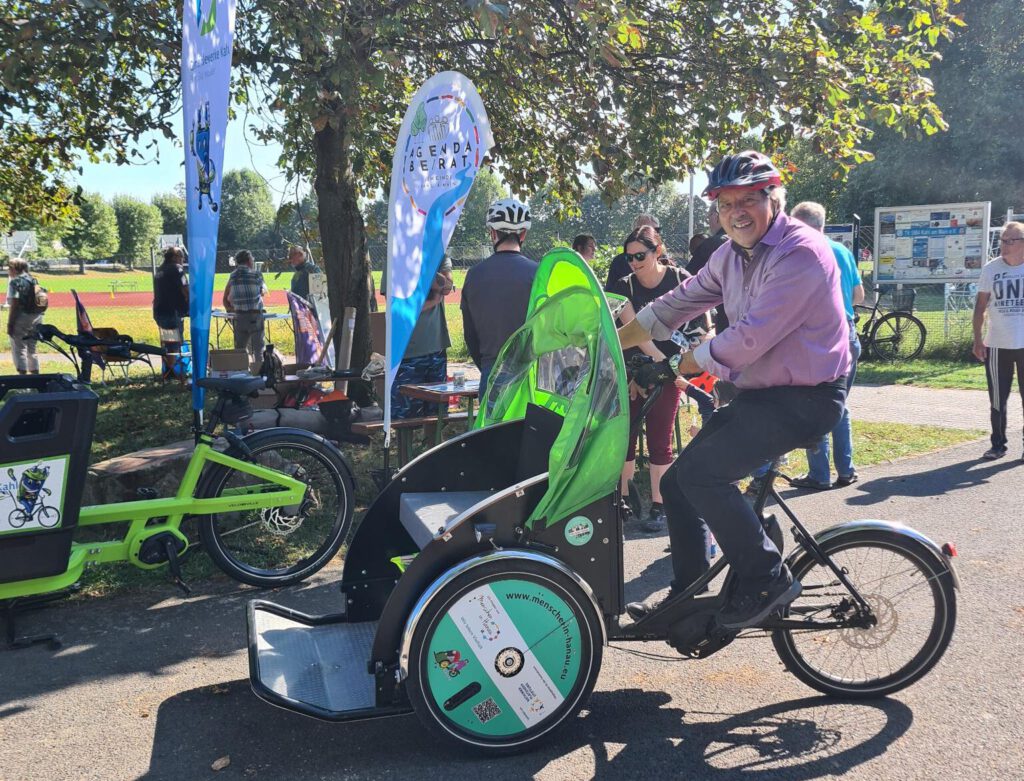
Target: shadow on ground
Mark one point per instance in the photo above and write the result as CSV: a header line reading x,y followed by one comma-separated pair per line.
x,y
931,482
800,739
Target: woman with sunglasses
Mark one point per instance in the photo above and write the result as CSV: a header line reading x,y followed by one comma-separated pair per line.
x,y
651,278
1001,298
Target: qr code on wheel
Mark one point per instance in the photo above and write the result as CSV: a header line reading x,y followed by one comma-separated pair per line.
x,y
486,710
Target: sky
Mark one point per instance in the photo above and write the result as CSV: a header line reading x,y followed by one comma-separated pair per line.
x,y
161,175
241,150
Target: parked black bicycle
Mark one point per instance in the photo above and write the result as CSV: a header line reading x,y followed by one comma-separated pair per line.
x,y
893,334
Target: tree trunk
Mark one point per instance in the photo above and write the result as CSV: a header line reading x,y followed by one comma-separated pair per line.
x,y
343,238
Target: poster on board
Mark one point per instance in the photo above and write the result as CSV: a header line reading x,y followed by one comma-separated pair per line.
x,y
841,233
931,243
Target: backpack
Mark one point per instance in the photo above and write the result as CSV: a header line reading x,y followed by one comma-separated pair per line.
x,y
32,297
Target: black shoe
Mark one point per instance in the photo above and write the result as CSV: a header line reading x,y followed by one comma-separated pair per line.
x,y
746,609
993,453
638,610
655,522
842,482
806,482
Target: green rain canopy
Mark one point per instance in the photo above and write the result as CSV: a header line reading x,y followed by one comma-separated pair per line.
x,y
566,358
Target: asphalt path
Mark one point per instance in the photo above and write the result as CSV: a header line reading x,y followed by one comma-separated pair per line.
x,y
152,686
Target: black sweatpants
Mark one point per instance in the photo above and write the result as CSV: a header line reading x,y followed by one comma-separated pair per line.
x,y
999,370
700,490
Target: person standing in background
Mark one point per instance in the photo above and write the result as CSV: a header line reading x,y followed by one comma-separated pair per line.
x,y
586,246
496,293
619,267
243,296
426,355
1001,301
23,317
818,474
302,267
700,256
170,305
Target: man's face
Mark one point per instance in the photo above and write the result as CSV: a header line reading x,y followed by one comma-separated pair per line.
x,y
296,258
745,215
1011,244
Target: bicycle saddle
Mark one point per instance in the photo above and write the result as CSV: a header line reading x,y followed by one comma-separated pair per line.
x,y
240,386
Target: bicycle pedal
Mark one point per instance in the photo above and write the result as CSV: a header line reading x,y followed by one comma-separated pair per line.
x,y
174,564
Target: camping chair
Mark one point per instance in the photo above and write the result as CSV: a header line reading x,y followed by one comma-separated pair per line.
x,y
107,357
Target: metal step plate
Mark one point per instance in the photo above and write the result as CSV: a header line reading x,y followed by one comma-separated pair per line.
x,y
319,665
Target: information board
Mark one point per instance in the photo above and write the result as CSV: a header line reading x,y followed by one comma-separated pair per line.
x,y
841,233
945,242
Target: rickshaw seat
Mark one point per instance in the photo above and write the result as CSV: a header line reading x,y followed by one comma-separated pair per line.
x,y
425,514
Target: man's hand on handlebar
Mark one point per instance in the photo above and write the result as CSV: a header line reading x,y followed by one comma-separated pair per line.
x,y
645,372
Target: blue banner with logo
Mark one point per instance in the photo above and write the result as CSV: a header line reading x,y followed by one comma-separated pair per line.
x,y
207,32
444,138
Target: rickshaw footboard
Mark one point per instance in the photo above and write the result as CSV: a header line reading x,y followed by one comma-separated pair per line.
x,y
315,665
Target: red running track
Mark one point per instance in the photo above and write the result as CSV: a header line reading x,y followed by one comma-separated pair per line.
x,y
145,299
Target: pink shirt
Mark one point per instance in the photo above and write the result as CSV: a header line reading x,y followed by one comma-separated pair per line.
x,y
785,306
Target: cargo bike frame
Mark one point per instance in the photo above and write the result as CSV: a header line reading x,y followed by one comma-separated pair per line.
x,y
271,508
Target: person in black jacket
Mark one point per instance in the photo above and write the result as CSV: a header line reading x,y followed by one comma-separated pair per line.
x,y
496,292
700,257
170,305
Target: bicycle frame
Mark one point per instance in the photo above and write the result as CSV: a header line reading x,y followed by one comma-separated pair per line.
x,y
277,490
654,626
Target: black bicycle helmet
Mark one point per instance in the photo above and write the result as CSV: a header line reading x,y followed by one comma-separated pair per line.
x,y
748,170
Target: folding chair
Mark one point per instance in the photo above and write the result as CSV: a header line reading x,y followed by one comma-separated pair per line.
x,y
121,356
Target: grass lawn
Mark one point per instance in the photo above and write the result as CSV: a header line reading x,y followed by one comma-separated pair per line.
x,y
927,373
141,280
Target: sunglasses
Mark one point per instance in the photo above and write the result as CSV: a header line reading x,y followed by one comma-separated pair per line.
x,y
636,257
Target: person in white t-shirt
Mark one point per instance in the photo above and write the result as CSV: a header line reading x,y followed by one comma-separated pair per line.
x,y
1001,297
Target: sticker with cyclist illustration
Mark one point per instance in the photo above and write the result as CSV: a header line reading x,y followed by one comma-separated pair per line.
x,y
32,494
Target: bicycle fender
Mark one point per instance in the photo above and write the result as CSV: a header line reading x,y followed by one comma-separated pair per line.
x,y
840,530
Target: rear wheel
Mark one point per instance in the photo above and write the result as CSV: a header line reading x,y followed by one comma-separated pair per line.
x,y
503,655
912,598
897,336
279,546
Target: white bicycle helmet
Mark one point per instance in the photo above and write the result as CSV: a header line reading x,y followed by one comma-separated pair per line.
x,y
508,214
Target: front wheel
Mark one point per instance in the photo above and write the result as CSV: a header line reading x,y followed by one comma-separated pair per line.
x,y
279,546
913,602
48,517
897,336
504,654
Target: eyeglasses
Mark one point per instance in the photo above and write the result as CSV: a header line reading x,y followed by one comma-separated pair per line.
x,y
636,257
1010,241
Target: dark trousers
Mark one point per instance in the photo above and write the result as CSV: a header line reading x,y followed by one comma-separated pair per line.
x,y
999,372
700,491
421,370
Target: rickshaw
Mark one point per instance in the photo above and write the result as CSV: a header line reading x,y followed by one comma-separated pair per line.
x,y
485,580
